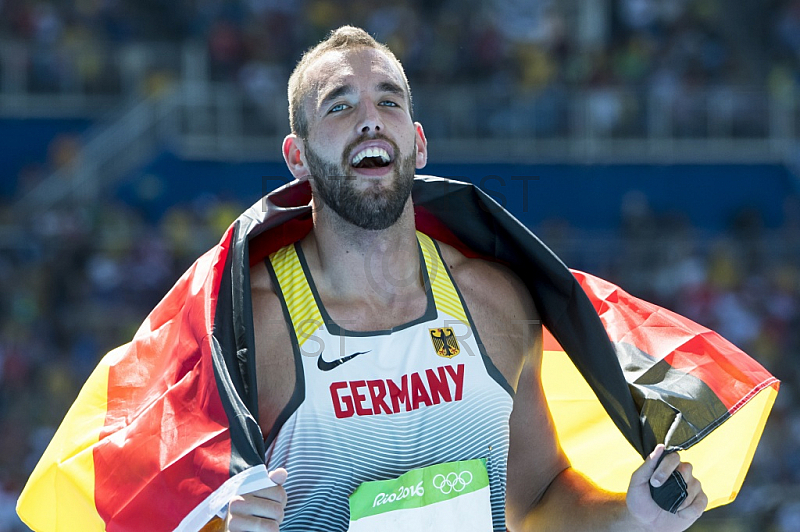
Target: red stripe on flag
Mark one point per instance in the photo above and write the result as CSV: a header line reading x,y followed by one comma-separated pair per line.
x,y
274,239
727,371
549,343
683,344
165,445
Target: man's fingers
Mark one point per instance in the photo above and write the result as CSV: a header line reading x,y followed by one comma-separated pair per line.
x,y
646,470
273,493
655,471
696,500
251,504
668,464
697,506
278,476
692,484
260,510
257,511
273,510
251,524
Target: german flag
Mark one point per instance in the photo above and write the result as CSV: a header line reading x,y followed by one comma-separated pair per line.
x,y
686,382
159,430
165,430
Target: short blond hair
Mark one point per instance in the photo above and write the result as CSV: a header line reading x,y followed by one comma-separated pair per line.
x,y
344,38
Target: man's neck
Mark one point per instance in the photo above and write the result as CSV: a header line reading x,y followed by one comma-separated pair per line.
x,y
349,263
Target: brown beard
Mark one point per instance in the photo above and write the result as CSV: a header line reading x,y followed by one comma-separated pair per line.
x,y
371,209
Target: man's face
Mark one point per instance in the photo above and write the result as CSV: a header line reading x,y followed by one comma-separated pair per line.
x,y
362,147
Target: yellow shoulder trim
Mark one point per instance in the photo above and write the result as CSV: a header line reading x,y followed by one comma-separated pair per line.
x,y
303,310
444,292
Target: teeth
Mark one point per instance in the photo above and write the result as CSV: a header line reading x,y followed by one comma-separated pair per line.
x,y
370,152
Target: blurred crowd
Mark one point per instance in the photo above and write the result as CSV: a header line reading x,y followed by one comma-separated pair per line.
x,y
80,281
535,43
708,62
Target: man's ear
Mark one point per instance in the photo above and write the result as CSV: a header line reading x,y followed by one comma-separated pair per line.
x,y
421,145
294,155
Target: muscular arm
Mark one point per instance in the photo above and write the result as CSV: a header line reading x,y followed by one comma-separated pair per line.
x,y
543,493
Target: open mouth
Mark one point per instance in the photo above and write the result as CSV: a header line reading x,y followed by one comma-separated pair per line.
x,y
372,157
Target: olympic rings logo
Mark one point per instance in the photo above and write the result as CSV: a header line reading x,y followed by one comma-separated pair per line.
x,y
453,482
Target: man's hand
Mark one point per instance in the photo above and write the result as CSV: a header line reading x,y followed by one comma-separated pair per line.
x,y
645,510
259,511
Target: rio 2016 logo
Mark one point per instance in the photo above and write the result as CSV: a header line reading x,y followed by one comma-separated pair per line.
x,y
453,482
403,492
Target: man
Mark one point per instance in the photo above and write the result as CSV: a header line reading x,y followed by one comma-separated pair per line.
x,y
366,285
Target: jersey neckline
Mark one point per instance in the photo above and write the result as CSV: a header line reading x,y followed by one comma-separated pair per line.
x,y
337,330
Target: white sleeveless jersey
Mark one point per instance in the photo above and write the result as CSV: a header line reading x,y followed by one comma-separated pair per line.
x,y
373,405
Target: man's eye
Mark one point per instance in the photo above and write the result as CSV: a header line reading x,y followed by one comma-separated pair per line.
x,y
338,107
388,103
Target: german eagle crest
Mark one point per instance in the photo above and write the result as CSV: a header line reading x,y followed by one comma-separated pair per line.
x,y
444,342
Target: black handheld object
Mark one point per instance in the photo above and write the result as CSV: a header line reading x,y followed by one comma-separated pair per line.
x,y
671,494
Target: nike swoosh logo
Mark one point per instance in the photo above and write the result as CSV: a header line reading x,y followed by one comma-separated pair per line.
x,y
324,365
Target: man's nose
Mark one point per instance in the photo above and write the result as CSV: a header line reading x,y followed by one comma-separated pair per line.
x,y
370,120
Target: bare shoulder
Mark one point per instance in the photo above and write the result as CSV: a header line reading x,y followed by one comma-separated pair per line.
x,y
268,317
259,279
502,311
490,285
275,368
267,309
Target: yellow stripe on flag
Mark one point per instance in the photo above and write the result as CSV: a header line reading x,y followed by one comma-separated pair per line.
x,y
720,461
722,473
583,427
59,495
